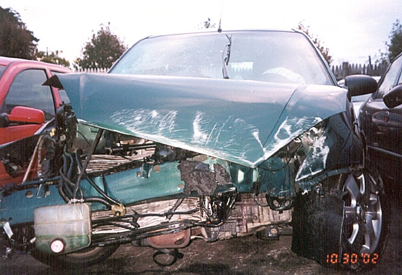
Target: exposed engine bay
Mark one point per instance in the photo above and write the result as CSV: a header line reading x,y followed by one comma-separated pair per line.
x,y
205,205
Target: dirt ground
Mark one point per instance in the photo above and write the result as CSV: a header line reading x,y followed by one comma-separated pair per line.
x,y
247,255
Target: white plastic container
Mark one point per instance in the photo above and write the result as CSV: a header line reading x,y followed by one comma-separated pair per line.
x,y
62,228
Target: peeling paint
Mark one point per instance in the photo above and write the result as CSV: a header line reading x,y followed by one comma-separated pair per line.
x,y
198,135
144,119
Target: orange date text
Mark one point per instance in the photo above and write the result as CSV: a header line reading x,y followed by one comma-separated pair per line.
x,y
352,258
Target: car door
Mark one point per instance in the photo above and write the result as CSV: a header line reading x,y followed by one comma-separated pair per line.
x,y
383,125
25,97
26,106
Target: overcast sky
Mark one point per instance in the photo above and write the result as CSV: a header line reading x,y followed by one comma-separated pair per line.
x,y
353,30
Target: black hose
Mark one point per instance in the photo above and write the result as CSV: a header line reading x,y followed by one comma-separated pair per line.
x,y
115,224
66,187
105,185
97,188
67,182
61,192
68,193
70,170
87,159
64,178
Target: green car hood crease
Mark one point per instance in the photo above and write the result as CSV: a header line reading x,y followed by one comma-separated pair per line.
x,y
244,122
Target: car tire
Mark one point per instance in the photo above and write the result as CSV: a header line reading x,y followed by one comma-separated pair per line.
x,y
86,257
343,222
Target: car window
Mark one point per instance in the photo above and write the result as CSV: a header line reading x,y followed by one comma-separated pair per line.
x,y
390,79
27,90
283,57
399,82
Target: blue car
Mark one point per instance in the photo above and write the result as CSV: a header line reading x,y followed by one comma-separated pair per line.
x,y
207,135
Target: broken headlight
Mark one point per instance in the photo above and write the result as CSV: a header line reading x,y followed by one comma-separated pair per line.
x,y
307,151
313,154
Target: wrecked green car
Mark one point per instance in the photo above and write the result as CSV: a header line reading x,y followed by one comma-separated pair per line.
x,y
212,135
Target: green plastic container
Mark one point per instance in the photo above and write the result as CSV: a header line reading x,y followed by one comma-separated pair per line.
x,y
62,228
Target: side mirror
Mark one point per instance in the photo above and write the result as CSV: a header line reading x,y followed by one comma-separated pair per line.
x,y
26,115
360,85
394,97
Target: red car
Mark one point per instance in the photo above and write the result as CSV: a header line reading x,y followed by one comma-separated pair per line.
x,y
25,105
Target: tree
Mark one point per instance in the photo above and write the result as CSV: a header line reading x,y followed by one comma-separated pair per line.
x,y
207,24
324,51
395,44
102,51
53,57
15,39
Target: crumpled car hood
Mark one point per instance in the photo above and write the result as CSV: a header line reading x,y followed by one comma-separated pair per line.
x,y
240,121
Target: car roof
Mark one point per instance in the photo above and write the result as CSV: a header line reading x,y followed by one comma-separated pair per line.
x,y
210,31
5,61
